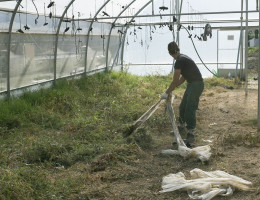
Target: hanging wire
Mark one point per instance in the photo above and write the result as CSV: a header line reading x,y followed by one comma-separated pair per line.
x,y
67,27
79,43
54,19
73,24
51,4
20,29
26,27
36,20
103,37
45,19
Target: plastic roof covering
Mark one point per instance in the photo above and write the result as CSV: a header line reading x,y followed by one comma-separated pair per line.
x,y
86,9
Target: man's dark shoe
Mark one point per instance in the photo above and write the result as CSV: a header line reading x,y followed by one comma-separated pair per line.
x,y
190,138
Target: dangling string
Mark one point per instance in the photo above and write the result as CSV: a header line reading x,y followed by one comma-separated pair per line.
x,y
45,23
192,19
79,29
54,19
135,34
36,20
188,15
73,24
49,6
67,28
26,27
79,43
151,37
103,37
142,43
20,30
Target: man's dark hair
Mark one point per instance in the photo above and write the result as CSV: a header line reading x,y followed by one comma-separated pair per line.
x,y
173,48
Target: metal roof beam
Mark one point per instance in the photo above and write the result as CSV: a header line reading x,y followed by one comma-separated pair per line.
x,y
179,14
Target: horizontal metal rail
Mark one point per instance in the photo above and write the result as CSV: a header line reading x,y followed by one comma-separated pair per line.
x,y
195,22
166,64
168,15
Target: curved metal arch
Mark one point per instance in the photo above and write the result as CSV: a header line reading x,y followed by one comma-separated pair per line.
x,y
57,39
123,42
112,26
89,29
9,46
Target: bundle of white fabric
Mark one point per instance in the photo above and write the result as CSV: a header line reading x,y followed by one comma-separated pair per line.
x,y
205,185
202,152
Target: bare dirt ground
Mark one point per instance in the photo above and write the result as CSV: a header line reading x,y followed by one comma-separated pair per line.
x,y
221,122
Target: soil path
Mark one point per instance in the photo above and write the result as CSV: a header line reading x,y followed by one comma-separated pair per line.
x,y
222,118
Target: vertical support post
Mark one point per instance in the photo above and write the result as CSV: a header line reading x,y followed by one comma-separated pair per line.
x,y
57,40
242,57
217,50
179,9
238,52
9,48
89,29
117,53
258,118
242,43
246,51
122,50
178,32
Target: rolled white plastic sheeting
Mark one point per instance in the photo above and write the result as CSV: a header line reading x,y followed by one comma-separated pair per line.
x,y
202,152
205,185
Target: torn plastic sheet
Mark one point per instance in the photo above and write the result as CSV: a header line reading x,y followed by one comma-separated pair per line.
x,y
205,185
202,152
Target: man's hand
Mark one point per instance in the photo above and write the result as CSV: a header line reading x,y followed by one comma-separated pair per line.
x,y
164,96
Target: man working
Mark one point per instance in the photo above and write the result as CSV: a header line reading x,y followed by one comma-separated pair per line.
x,y
185,69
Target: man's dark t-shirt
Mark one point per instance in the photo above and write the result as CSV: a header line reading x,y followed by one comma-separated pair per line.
x,y
189,69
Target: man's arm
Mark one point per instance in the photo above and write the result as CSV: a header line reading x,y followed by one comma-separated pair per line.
x,y
177,80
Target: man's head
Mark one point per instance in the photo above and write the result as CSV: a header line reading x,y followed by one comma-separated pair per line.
x,y
173,49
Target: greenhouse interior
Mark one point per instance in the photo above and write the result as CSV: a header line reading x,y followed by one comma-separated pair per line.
x,y
43,42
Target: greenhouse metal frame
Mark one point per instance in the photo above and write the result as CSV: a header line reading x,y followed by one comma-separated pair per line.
x,y
116,56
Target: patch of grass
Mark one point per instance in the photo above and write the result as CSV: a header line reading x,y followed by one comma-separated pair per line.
x,y
249,122
252,51
245,139
24,183
222,82
79,121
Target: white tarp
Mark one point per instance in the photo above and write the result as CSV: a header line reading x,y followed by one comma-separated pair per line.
x,y
202,152
205,185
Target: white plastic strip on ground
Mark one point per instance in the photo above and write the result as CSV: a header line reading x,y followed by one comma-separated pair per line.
x,y
202,152
205,185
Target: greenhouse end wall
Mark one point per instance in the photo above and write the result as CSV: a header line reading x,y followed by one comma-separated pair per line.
x,y
32,52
